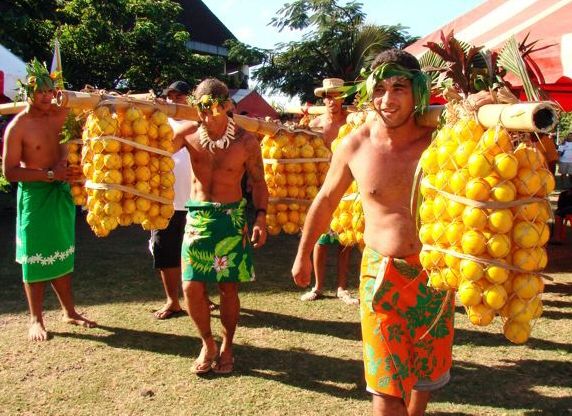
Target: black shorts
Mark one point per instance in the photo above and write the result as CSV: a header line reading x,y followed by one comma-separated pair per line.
x,y
165,245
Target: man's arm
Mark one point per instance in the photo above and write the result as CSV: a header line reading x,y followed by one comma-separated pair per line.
x,y
255,170
180,132
338,179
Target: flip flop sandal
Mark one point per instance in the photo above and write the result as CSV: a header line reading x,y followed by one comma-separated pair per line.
x,y
311,295
167,314
203,367
225,367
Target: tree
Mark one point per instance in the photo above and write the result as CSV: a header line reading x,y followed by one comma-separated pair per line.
x,y
126,44
338,44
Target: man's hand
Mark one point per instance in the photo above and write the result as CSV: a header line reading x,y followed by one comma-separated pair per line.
x,y
479,99
67,173
301,271
258,235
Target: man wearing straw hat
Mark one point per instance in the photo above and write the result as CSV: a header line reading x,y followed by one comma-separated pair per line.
x,y
216,245
329,124
45,222
407,330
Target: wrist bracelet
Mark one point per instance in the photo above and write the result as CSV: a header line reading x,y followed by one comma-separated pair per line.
x,y
259,210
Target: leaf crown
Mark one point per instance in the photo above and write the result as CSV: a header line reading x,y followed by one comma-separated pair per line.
x,y
39,79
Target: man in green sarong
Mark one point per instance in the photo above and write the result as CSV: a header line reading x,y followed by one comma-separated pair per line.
x,y
216,246
45,223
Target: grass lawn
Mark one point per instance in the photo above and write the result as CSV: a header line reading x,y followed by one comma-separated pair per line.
x,y
292,358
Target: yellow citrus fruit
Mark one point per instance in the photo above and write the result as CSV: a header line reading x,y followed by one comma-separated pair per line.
x,y
480,165
440,208
445,154
442,180
451,260
451,277
503,192
528,182
273,229
113,195
429,161
141,139
529,259
113,209
141,157
547,182
438,233
282,217
496,274
500,220
475,218
480,315
154,210
128,206
526,234
495,140
113,176
498,246
112,161
436,280
159,117
425,232
455,209
426,186
142,204
458,181
142,173
495,296
463,152
529,157
466,129
477,189
471,270
140,126
111,145
454,233
516,332
126,129
167,179
443,135
506,165
470,293
535,306
473,242
426,211
527,286
108,223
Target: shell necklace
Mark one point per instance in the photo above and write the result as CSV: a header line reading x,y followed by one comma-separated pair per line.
x,y
222,143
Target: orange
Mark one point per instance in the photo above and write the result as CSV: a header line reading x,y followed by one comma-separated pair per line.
x,y
474,218
506,165
480,315
469,293
495,296
529,157
495,140
516,332
528,182
451,277
473,242
463,152
458,181
478,189
445,155
454,233
503,192
496,274
498,245
526,234
527,286
428,161
471,270
442,180
466,129
480,165
500,220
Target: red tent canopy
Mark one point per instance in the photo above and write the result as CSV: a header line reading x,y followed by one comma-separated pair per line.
x,y
494,21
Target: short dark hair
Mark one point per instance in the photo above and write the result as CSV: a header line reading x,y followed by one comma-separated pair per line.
x,y
211,86
396,56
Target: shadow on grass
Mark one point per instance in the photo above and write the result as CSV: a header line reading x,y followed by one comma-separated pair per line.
x,y
486,339
509,385
295,368
261,319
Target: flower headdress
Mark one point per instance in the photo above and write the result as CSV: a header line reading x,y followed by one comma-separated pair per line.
x,y
208,102
421,84
38,79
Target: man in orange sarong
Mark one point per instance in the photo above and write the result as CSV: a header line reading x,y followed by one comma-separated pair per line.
x,y
407,327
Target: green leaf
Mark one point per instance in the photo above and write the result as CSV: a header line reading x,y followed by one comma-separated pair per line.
x,y
226,245
243,274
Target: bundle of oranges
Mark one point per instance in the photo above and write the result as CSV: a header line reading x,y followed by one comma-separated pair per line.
x,y
348,221
484,222
78,191
295,166
127,162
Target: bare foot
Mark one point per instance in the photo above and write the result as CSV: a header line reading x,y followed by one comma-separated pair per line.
x,y
77,319
37,332
205,361
225,363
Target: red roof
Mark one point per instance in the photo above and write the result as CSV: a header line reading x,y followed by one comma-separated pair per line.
x,y
494,21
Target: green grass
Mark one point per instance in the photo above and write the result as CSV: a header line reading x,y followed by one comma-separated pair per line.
x,y
292,358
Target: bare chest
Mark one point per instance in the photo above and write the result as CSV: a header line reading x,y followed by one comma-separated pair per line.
x,y
220,162
384,174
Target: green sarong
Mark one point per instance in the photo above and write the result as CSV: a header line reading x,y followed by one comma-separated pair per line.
x,y
216,246
45,230
329,238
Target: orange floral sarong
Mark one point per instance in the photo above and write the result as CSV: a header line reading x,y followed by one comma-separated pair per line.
x,y
397,309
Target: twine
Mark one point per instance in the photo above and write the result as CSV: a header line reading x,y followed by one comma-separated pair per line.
x,y
108,186
298,160
485,261
134,144
276,200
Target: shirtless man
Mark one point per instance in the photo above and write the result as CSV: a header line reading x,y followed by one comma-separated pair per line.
x,y
329,124
216,247
403,360
45,224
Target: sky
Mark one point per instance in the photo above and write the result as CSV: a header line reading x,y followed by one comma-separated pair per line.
x,y
248,19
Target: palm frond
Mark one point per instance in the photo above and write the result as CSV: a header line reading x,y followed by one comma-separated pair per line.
x,y
510,58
